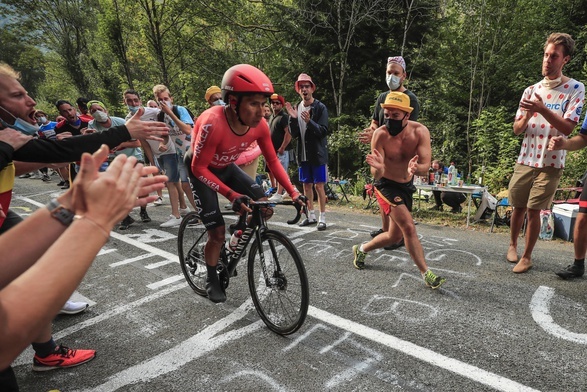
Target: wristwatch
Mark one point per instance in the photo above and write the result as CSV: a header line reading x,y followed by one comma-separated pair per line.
x,y
60,213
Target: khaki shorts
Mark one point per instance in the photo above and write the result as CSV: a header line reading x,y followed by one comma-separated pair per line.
x,y
533,188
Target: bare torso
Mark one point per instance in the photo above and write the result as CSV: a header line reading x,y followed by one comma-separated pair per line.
x,y
398,150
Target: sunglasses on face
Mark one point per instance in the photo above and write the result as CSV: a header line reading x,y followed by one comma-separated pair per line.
x,y
275,103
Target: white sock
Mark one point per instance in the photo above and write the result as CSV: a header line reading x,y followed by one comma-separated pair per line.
x,y
361,248
312,215
323,217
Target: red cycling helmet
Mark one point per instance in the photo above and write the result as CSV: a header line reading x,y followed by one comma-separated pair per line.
x,y
245,79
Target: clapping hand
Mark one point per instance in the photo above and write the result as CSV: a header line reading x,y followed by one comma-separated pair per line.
x,y
107,197
375,160
293,112
413,166
139,129
366,135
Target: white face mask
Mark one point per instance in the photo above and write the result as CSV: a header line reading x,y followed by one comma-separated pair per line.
x,y
100,116
393,82
169,104
42,120
551,83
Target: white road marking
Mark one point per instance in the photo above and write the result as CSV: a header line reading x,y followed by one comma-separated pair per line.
x,y
541,314
159,264
132,260
203,342
106,251
165,282
189,350
461,368
25,356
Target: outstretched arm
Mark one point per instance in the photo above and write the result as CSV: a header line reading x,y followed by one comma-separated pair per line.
x,y
21,320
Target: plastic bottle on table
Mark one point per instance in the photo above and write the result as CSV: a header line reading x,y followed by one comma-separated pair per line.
x,y
452,175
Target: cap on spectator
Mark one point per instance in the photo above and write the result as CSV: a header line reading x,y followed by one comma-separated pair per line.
x,y
211,91
398,60
304,78
92,102
276,97
397,100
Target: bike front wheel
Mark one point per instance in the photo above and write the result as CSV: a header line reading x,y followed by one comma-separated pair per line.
x,y
191,239
278,283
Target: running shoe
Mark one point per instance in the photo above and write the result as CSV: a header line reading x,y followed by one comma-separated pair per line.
x,y
26,175
432,280
171,222
46,178
63,357
184,211
375,233
308,222
144,216
72,307
396,245
126,222
359,261
159,201
572,271
276,198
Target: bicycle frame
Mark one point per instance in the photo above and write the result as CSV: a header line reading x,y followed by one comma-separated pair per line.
x,y
256,227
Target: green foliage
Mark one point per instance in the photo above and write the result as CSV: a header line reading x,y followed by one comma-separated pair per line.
x,y
468,62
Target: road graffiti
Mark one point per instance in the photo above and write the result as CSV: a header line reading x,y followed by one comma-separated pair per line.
x,y
404,309
540,308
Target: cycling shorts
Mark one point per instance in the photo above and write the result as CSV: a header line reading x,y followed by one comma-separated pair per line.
x,y
206,198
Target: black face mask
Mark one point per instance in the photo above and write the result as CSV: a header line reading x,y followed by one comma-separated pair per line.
x,y
394,127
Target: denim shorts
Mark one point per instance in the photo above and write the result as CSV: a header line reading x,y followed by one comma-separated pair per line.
x,y
169,163
183,171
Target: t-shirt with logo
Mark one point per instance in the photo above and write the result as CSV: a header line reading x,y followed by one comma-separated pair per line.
x,y
47,131
565,100
181,140
215,145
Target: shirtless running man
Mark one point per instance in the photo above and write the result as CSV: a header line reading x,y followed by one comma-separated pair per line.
x,y
400,149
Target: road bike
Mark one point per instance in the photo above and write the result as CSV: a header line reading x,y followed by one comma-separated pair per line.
x,y
276,274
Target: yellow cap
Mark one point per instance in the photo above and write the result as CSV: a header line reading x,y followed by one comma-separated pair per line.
x,y
211,91
397,100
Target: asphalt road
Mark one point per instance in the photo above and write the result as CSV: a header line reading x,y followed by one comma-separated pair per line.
x,y
379,329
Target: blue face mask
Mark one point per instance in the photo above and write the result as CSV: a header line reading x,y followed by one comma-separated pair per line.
x,y
133,109
20,125
218,102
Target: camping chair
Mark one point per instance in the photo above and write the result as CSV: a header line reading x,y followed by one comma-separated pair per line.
x,y
502,214
570,195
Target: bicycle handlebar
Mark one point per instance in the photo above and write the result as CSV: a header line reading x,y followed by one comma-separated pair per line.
x,y
299,208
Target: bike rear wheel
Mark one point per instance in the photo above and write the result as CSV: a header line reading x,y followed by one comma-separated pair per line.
x,y
278,283
191,239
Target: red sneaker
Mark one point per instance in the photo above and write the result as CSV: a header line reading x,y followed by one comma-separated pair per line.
x,y
63,357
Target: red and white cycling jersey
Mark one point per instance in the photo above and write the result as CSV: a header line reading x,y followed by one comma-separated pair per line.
x,y
216,145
